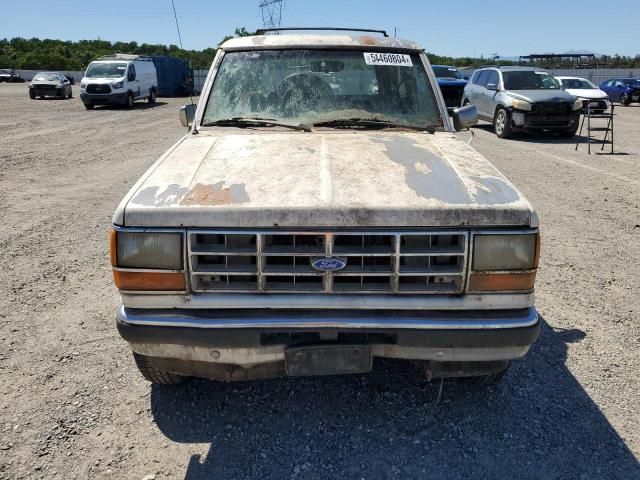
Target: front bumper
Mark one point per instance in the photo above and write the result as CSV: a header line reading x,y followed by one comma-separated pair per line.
x,y
250,337
104,99
537,121
41,91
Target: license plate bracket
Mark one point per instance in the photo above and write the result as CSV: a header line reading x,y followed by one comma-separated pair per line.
x,y
327,359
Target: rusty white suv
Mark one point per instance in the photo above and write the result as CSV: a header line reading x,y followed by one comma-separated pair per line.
x,y
320,213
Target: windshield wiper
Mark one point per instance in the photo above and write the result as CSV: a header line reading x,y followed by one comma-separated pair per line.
x,y
372,123
255,121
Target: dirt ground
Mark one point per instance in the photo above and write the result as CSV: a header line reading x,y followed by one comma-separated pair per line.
x,y
73,406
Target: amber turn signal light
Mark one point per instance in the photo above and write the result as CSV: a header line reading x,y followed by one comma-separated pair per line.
x,y
510,281
149,281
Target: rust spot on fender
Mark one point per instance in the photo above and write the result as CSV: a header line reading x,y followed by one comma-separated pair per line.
x,y
216,194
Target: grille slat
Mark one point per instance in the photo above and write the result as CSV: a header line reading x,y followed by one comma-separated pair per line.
x,y
377,262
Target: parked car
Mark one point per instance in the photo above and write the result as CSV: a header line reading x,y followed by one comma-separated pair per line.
x,y
522,98
596,99
119,80
50,84
451,84
10,76
623,90
314,218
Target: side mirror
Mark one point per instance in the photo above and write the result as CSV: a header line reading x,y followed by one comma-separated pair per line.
x,y
464,117
492,86
187,114
131,77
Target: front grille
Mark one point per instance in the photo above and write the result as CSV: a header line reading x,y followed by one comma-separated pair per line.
x,y
46,88
552,108
98,88
594,104
376,262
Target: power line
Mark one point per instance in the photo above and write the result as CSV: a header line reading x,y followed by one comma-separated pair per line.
x,y
175,16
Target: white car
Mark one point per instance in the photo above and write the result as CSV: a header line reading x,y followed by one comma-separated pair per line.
x,y
583,88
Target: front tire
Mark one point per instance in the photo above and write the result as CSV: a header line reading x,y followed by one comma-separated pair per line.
x,y
89,106
32,95
625,100
502,123
152,96
129,103
154,375
569,132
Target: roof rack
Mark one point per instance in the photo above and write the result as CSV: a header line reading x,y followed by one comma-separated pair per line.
x,y
262,31
124,56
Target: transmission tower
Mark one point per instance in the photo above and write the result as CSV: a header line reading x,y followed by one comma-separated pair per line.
x,y
271,13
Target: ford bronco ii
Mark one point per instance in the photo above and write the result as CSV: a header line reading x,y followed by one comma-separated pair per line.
x,y
319,213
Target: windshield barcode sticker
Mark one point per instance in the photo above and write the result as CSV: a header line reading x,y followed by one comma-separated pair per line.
x,y
395,59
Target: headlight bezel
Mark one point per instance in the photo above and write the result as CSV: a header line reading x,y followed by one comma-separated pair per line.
x,y
578,104
143,278
502,277
117,85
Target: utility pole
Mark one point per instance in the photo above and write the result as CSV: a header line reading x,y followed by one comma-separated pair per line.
x,y
271,13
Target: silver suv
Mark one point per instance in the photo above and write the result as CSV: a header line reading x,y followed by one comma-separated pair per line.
x,y
522,98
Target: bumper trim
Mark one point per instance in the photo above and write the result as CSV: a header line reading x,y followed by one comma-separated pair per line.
x,y
332,319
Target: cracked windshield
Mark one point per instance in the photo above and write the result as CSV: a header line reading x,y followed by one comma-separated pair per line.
x,y
316,86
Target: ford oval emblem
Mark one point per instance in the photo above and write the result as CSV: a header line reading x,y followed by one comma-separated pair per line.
x,y
328,264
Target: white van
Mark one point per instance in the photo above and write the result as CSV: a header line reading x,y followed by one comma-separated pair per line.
x,y
119,79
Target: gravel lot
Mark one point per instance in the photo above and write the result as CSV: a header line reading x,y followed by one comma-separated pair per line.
x,y
72,404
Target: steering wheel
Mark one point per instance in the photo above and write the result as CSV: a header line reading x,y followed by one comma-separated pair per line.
x,y
303,91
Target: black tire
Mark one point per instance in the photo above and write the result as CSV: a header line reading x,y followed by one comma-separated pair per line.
x,y
70,94
152,96
89,106
32,95
129,103
502,123
154,375
569,132
62,94
625,100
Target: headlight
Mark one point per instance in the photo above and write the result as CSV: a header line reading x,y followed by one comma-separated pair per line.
x,y
117,84
521,104
147,261
161,251
504,262
577,105
59,85
504,252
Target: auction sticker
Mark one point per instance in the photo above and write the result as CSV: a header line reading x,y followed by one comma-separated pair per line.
x,y
395,59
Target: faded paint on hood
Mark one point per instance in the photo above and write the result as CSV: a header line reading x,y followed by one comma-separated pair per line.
x,y
323,179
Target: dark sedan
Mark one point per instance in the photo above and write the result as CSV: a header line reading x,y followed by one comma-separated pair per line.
x,y
623,90
50,84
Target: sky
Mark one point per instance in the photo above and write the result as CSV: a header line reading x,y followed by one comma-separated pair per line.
x,y
444,27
